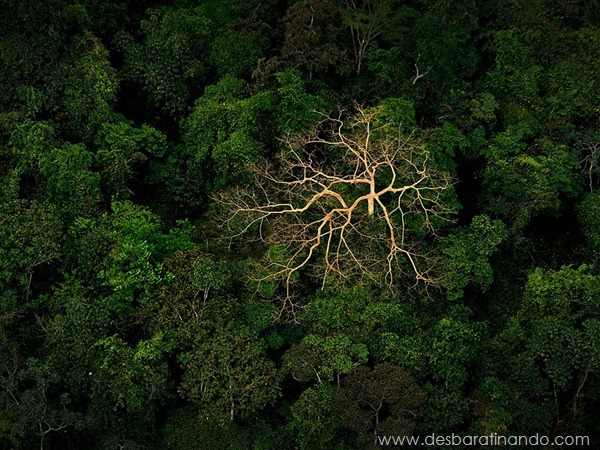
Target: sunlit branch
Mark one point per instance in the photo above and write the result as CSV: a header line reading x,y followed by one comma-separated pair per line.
x,y
340,199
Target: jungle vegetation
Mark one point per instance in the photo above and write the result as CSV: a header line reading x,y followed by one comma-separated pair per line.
x,y
269,224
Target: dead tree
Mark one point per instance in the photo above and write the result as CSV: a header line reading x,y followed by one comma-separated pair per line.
x,y
591,160
344,201
366,19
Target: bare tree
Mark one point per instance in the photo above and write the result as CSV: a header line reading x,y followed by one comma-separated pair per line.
x,y
591,160
366,19
345,199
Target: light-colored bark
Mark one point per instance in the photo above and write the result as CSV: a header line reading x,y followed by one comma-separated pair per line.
x,y
341,200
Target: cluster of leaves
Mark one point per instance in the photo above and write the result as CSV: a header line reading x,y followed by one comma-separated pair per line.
x,y
456,144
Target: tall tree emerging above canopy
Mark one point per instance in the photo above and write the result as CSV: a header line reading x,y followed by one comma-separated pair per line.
x,y
313,38
353,198
366,19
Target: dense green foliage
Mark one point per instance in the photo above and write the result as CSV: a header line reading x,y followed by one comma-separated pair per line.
x,y
137,310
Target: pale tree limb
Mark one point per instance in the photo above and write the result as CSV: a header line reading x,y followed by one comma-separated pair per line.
x,y
366,19
342,200
591,161
420,74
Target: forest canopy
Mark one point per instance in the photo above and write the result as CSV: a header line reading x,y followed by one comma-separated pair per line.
x,y
303,224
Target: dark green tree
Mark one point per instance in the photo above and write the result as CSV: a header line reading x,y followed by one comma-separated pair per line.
x,y
379,401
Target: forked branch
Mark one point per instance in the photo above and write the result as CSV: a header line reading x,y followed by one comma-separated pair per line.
x,y
348,201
